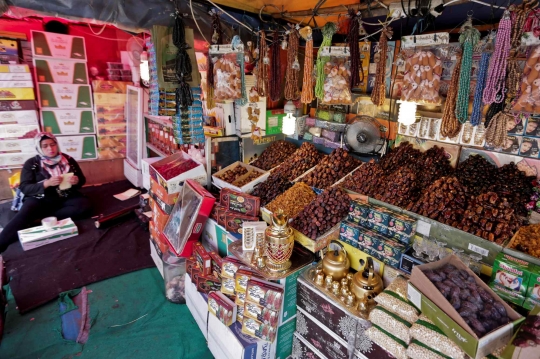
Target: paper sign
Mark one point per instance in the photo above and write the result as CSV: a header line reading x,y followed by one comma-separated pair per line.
x,y
423,228
66,177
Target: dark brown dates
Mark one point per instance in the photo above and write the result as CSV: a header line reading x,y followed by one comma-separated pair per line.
x,y
274,155
331,169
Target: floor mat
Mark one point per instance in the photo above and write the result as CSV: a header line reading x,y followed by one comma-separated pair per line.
x,y
39,275
165,331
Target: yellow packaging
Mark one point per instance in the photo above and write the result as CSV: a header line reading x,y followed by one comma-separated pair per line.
x,y
15,93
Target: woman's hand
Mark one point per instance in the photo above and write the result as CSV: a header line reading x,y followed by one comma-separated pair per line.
x,y
53,181
74,180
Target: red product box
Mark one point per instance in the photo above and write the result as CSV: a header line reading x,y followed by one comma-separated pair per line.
x,y
155,236
240,202
191,264
205,283
203,259
162,193
221,211
222,307
234,220
159,217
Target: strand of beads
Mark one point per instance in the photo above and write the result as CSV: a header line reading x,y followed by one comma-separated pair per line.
x,y
476,115
469,38
450,126
378,95
497,66
496,131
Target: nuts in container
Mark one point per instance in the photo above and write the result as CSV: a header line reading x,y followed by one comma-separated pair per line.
x,y
294,200
331,169
302,160
274,155
425,331
233,174
324,212
527,240
271,188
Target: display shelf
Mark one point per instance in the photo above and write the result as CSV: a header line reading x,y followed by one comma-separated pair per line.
x,y
156,150
162,120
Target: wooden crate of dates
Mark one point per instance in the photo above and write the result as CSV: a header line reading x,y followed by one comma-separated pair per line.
x,y
331,169
240,177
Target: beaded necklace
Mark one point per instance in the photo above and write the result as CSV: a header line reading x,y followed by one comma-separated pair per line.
x,y
293,67
476,114
261,71
496,131
378,95
468,39
497,66
450,126
307,82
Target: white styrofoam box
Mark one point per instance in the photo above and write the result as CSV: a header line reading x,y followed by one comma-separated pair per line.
x,y
35,237
29,117
79,147
248,187
17,145
157,259
8,160
145,169
197,305
18,131
68,122
15,76
258,112
224,114
132,174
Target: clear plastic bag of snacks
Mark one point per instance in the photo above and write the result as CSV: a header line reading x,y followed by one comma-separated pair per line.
x,y
422,79
338,76
227,61
529,87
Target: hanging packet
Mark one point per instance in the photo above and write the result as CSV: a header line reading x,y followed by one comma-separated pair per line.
x,y
528,99
228,64
337,76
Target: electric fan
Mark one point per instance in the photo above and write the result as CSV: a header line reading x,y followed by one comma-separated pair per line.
x,y
366,135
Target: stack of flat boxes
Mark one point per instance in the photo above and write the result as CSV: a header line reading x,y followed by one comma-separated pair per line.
x,y
18,115
64,92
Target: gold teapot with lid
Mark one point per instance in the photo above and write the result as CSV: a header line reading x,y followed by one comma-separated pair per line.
x,y
279,242
366,284
336,262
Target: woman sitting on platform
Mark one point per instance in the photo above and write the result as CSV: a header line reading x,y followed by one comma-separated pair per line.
x,y
40,180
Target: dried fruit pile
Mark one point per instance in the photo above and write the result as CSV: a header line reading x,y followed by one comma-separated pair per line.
x,y
271,188
250,177
274,155
366,180
299,162
233,174
331,169
527,240
480,310
294,200
403,189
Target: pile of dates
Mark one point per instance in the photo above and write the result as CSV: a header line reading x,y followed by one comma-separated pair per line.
x,y
274,155
397,157
476,173
327,210
445,201
366,180
271,188
253,175
299,162
402,189
480,310
490,217
433,165
233,174
331,169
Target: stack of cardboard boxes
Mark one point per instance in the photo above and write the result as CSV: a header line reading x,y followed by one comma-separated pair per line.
x,y
18,115
64,92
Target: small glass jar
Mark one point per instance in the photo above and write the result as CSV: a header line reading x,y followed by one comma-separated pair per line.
x,y
174,270
443,252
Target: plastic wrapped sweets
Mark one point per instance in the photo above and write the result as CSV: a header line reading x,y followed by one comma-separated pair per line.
x,y
398,305
391,323
387,341
426,332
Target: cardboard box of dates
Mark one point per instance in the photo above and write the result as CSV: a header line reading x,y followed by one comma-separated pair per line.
x,y
172,171
239,177
426,295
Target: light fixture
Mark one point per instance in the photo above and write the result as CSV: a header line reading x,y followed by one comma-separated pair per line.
x,y
407,112
144,69
289,121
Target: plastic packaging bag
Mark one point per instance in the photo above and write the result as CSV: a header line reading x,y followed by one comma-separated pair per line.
x,y
387,341
529,95
338,76
422,79
227,71
426,332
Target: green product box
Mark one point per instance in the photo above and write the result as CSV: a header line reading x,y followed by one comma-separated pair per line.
x,y
274,121
368,216
512,273
64,96
533,291
508,295
61,71
79,147
284,339
349,233
58,46
401,227
531,303
68,122
517,349
288,308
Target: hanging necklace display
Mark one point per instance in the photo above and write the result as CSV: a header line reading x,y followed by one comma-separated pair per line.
x,y
293,67
476,115
496,131
354,46
496,107
307,82
378,95
261,71
184,97
328,31
497,65
514,71
275,73
450,125
468,39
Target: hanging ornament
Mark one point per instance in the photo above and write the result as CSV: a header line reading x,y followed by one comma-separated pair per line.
x,y
261,71
217,38
497,65
328,31
378,95
296,64
307,81
291,74
284,41
275,72
354,46
468,39
450,126
184,97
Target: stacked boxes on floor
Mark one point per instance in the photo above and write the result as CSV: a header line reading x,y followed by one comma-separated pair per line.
x,y
109,102
18,115
64,93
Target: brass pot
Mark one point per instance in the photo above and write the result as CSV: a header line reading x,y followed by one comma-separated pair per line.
x,y
336,262
366,284
279,242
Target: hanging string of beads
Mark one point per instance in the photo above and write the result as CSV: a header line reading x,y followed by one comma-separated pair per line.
x,y
513,74
217,38
307,81
495,107
354,46
237,44
328,31
378,95
496,131
261,71
476,115
184,97
497,66
275,75
450,125
468,39
293,67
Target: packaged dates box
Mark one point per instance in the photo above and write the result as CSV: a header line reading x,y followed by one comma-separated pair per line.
x,y
423,294
215,236
27,117
17,93
61,71
78,147
356,255
39,236
11,146
18,106
14,69
8,160
246,188
15,76
64,96
179,176
68,122
18,131
59,46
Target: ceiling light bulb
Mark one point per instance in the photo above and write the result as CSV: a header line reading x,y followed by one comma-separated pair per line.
x,y
407,112
289,125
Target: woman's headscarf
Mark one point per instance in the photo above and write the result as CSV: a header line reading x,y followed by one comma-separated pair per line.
x,y
55,166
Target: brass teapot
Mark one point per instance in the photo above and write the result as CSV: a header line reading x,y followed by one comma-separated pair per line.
x,y
366,284
336,262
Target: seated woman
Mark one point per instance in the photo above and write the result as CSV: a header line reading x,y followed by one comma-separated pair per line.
x,y
40,178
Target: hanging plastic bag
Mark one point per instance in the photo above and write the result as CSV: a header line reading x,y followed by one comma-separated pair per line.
x,y
337,76
422,79
228,63
529,90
